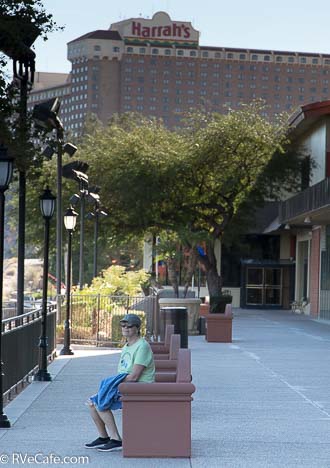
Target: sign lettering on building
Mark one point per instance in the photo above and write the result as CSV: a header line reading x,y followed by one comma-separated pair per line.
x,y
158,30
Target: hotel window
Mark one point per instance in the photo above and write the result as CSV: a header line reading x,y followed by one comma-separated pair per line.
x,y
140,98
203,74
97,47
154,51
325,81
265,68
267,58
190,91
140,70
277,88
289,88
179,74
289,79
205,54
313,81
178,100
254,57
315,61
301,89
289,98
129,50
203,83
303,60
178,82
190,101
153,99
279,59
242,56
152,108
216,65
165,99
203,92
325,90
327,61
191,83
139,107
142,50
301,80
180,52
167,51
253,67
204,65
165,90
312,90
166,82
217,55
240,85
216,75
193,53
191,74
291,59
228,75
230,55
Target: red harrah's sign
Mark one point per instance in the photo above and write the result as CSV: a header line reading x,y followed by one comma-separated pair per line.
x,y
173,30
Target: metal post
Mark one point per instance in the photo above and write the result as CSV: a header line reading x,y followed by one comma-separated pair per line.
x,y
59,220
67,332
81,247
21,202
96,235
4,422
42,374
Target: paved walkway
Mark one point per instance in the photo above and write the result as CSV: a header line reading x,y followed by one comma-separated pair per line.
x,y
262,401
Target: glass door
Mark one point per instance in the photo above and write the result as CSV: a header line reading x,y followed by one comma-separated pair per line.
x,y
263,286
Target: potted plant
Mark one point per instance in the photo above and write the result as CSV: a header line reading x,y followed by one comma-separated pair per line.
x,y
218,303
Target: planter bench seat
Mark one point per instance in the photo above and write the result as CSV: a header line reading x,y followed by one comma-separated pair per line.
x,y
157,416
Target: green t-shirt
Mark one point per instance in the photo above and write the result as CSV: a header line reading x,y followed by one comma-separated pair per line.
x,y
138,353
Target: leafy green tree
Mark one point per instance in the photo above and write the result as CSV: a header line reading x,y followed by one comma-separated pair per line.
x,y
116,281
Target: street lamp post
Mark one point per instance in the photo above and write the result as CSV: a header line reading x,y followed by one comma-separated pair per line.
x,y
16,44
47,207
6,172
98,212
70,219
45,116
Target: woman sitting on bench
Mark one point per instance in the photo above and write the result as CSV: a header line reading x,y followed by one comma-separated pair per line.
x,y
136,365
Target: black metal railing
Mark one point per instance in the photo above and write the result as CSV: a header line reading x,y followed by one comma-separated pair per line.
x,y
313,198
20,346
95,318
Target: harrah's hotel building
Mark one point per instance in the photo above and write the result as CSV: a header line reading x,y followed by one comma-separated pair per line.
x,y
157,67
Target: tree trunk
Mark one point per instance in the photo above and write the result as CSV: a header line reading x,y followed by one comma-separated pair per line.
x,y
214,281
190,266
209,261
172,275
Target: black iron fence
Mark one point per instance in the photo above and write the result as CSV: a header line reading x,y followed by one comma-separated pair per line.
x,y
20,347
95,318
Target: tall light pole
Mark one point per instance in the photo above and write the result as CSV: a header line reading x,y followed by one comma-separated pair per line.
x,y
15,42
47,207
6,172
96,215
70,219
45,116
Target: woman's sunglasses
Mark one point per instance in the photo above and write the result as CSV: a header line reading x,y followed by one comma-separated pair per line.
x,y
124,325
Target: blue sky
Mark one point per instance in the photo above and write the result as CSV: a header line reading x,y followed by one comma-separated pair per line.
x,y
279,25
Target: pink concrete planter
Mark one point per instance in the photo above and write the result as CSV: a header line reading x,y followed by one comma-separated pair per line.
x,y
157,416
173,349
204,309
163,347
219,326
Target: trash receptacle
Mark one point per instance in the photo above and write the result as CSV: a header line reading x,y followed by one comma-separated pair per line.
x,y
177,316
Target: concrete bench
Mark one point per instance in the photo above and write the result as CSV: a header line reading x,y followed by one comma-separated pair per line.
x,y
163,347
157,416
173,349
